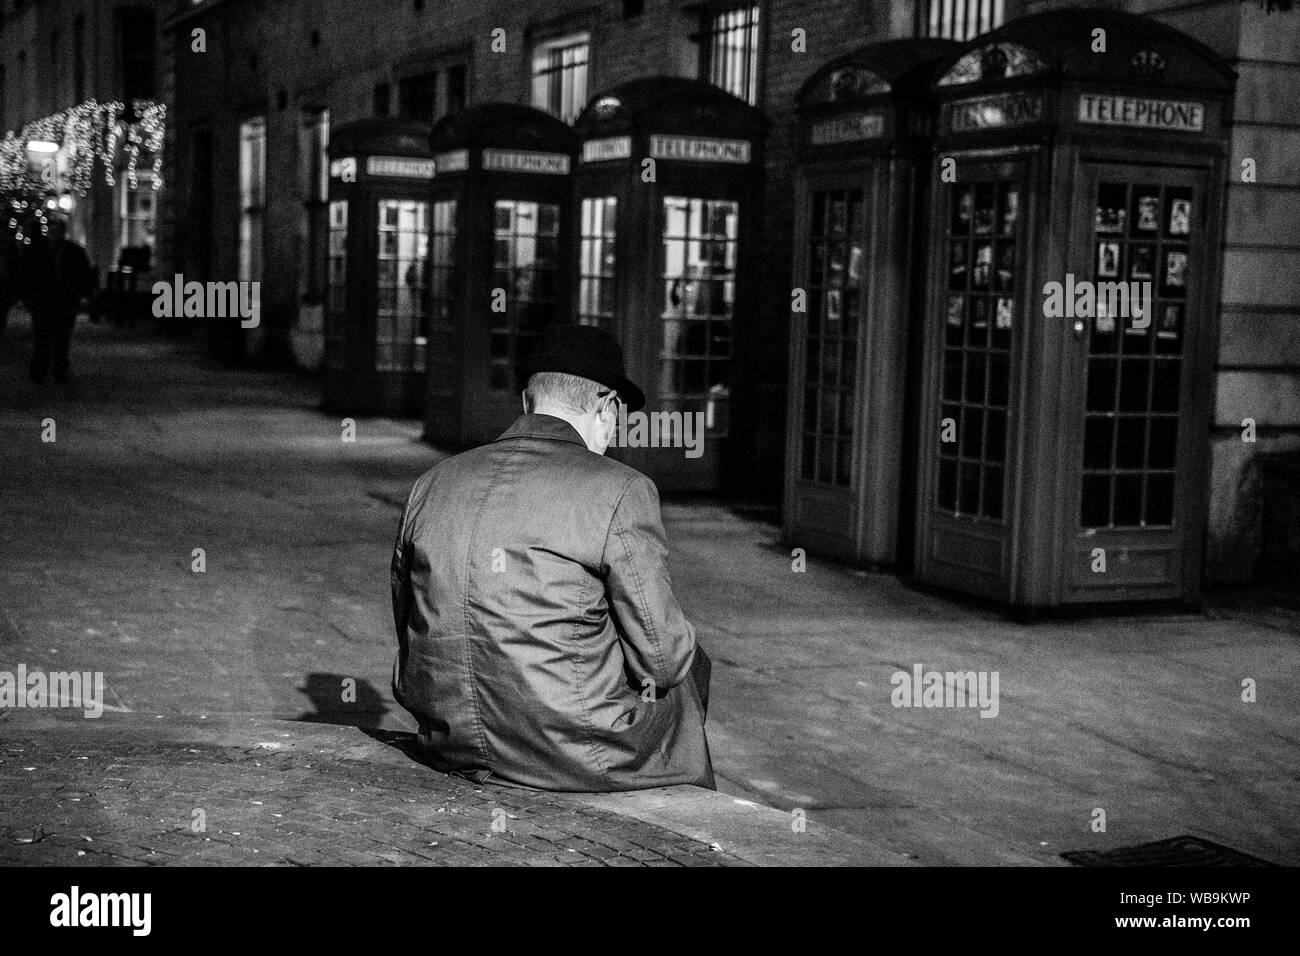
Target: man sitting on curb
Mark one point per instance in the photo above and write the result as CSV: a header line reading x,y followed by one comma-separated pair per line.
x,y
539,640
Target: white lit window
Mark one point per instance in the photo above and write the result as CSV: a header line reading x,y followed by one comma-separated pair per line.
x,y
560,75
732,51
960,19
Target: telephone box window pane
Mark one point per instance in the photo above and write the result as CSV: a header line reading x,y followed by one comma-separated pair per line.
x,y
403,275
995,438
1130,443
1128,501
1101,385
992,507
1133,385
1164,393
1098,437
999,379
1160,499
968,489
963,210
1096,501
975,378
952,414
525,242
1164,437
972,433
948,485
952,367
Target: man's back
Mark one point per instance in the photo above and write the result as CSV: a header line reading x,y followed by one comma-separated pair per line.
x,y
535,617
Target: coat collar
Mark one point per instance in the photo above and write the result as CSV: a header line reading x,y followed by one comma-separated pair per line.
x,y
542,426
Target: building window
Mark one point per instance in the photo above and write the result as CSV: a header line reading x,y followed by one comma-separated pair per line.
x,y
560,75
417,97
960,19
314,164
596,288
252,197
136,54
402,316
731,52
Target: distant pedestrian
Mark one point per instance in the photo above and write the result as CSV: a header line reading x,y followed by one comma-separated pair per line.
x,y
56,275
8,276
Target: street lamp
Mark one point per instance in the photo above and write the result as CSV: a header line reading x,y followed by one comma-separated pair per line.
x,y
42,146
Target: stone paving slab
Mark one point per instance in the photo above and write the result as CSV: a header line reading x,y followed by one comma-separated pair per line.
x,y
142,790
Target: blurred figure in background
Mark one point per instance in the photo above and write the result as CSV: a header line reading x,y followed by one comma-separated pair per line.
x,y
55,277
8,276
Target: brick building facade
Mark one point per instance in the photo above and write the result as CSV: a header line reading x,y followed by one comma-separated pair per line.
x,y
60,56
257,81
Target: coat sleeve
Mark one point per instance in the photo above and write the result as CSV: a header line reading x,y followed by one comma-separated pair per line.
x,y
658,641
400,577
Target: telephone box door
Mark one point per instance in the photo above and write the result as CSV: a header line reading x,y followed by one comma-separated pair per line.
x,y
975,356
523,300
832,270
688,345
1139,429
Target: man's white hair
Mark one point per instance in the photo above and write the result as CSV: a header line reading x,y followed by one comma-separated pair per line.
x,y
560,389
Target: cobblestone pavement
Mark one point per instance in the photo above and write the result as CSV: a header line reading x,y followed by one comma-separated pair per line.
x,y
161,452
294,794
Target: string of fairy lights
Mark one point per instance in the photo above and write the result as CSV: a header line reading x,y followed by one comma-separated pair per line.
x,y
90,138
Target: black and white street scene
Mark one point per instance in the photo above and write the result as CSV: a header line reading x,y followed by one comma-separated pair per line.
x,y
457,433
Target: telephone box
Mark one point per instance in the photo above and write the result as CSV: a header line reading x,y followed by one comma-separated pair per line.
x,y
1071,324
668,199
500,220
863,128
377,307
